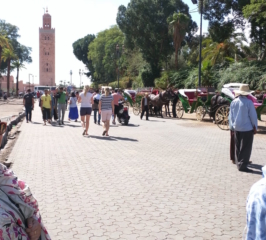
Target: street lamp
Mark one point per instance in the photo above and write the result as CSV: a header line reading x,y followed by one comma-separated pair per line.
x,y
71,77
119,53
201,11
81,72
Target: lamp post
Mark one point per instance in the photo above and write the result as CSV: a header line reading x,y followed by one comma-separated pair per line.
x,y
71,77
201,11
81,72
119,53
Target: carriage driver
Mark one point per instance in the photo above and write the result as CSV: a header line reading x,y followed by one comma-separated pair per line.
x,y
145,102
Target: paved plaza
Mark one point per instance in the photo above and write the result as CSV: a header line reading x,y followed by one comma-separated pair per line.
x,y
162,179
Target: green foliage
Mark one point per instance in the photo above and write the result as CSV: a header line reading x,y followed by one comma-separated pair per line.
x,y
21,51
102,53
252,73
144,23
255,12
81,49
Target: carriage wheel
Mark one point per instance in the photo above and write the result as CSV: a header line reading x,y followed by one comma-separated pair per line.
x,y
136,109
200,113
179,109
221,117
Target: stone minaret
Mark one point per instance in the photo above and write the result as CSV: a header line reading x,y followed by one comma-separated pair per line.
x,y
47,52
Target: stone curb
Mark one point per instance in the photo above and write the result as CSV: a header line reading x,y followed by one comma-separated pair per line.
x,y
9,127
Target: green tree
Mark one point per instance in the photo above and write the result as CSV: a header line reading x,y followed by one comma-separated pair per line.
x,y
4,43
255,12
179,23
18,66
144,23
81,50
7,56
220,52
11,33
102,53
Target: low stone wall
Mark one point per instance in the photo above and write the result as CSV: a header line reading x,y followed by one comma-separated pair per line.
x,y
10,124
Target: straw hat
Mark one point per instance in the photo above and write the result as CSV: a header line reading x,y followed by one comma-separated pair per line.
x,y
243,90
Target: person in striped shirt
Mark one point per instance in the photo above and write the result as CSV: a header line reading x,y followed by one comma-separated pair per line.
x,y
106,109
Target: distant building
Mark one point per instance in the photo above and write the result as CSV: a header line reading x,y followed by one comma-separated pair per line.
x,y
12,85
47,52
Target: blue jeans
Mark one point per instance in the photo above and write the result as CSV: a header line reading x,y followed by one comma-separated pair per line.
x,y
95,114
28,110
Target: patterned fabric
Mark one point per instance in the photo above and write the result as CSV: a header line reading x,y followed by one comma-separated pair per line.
x,y
12,217
256,210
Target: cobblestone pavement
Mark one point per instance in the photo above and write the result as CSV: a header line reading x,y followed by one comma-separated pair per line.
x,y
162,179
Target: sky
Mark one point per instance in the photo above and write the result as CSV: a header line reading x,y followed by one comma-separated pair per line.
x,y
72,20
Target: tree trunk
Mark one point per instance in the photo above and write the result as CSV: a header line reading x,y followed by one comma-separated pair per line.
x,y
8,76
17,80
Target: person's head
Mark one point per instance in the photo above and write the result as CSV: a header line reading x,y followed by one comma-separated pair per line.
x,y
107,92
146,95
64,89
97,91
116,90
46,91
28,90
86,89
77,93
73,94
61,89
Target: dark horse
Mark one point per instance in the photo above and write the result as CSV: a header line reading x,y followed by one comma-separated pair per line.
x,y
157,101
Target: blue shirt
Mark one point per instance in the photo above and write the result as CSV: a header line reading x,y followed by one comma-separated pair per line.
x,y
243,115
256,211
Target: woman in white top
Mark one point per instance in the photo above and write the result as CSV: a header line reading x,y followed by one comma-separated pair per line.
x,y
86,100
73,109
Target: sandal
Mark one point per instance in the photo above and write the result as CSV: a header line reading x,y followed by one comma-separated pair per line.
x,y
104,132
84,132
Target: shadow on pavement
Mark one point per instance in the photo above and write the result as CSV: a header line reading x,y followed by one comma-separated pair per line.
x,y
154,120
261,130
74,126
129,125
37,123
103,138
125,139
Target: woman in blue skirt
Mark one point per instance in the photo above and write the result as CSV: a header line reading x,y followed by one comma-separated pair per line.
x,y
73,109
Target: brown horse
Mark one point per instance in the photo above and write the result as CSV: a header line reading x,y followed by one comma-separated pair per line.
x,y
157,101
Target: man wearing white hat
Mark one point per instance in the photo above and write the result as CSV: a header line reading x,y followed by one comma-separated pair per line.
x,y
243,118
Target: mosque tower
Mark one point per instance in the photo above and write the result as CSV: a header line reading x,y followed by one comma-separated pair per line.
x,y
47,52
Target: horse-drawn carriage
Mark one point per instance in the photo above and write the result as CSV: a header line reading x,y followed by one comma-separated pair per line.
x,y
228,94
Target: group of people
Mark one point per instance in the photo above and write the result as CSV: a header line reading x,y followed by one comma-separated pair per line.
x,y
54,104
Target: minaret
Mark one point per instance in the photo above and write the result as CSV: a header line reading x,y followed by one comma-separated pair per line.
x,y
47,51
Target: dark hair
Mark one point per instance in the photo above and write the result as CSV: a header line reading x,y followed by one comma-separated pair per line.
x,y
77,92
28,90
61,88
115,90
73,94
97,91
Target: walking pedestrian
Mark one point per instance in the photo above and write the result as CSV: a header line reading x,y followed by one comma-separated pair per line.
x,y
85,100
61,106
145,102
73,109
95,106
46,105
243,118
116,98
28,102
55,105
106,109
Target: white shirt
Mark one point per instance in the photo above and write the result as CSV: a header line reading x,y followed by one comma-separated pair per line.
x,y
97,96
85,100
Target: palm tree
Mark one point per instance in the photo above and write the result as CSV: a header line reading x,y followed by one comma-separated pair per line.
x,y
179,23
18,65
229,49
7,56
4,43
